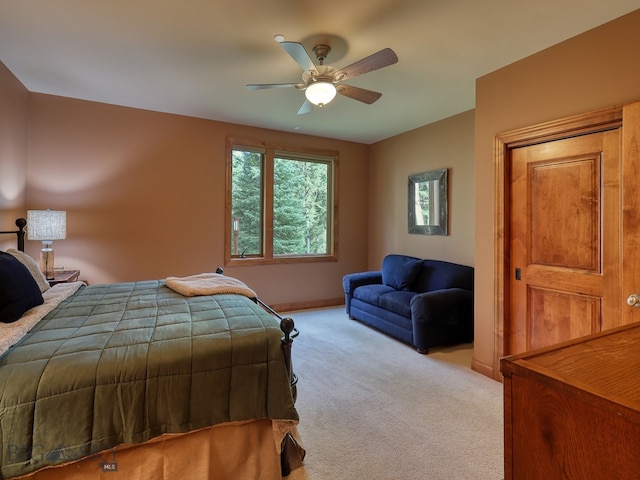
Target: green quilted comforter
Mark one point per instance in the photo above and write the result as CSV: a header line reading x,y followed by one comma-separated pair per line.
x,y
123,363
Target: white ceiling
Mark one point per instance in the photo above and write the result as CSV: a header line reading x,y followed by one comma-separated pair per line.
x,y
194,57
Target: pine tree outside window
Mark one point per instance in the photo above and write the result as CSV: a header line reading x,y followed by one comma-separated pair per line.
x,y
280,205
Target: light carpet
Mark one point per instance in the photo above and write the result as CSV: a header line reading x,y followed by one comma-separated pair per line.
x,y
373,408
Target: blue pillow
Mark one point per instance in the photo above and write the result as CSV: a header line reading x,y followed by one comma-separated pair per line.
x,y
19,291
400,271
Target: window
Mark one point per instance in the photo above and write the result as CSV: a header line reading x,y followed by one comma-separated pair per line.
x,y
280,204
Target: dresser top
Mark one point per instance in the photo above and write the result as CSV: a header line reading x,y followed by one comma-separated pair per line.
x,y
606,365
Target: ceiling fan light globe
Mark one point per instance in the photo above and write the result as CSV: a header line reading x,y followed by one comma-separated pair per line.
x,y
320,92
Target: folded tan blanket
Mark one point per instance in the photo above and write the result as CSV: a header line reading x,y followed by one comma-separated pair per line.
x,y
208,284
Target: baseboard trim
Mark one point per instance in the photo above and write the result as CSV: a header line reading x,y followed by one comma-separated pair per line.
x,y
483,368
290,307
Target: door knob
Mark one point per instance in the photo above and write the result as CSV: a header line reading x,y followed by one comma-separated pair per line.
x,y
634,300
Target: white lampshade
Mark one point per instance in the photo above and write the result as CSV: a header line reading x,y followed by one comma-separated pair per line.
x,y
46,224
321,92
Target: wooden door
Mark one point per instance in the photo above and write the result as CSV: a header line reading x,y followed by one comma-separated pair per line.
x,y
564,239
630,262
560,314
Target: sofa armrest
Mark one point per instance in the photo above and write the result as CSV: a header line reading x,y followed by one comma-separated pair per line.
x,y
354,280
441,310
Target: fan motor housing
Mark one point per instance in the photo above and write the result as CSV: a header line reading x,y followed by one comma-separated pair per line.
x,y
321,52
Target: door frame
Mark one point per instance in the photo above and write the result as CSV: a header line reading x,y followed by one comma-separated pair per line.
x,y
591,122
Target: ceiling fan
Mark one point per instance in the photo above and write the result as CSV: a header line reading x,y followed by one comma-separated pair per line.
x,y
321,82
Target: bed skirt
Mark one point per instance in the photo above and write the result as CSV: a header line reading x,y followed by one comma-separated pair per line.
x,y
226,451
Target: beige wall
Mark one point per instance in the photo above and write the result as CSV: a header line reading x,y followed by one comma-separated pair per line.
x,y
145,195
13,153
159,178
594,70
445,144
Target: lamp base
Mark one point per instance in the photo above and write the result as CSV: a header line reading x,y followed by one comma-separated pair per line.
x,y
46,262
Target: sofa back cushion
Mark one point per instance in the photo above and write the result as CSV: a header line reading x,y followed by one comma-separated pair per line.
x,y
438,275
400,271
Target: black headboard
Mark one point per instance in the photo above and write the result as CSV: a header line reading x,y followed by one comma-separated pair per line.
x,y
20,223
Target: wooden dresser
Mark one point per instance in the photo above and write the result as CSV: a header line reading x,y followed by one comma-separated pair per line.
x,y
572,411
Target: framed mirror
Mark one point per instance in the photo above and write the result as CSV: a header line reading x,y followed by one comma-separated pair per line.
x,y
429,203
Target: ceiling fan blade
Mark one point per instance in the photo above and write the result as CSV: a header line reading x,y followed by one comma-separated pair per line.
x,y
306,107
299,54
357,93
381,59
263,86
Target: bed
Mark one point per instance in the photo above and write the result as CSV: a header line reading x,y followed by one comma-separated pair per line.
x,y
142,380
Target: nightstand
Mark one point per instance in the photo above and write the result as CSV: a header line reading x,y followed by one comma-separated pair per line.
x,y
64,276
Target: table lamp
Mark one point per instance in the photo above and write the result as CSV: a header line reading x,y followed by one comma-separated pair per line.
x,y
47,226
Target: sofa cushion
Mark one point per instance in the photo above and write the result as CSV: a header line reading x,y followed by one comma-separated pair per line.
x,y
371,293
400,271
397,302
438,275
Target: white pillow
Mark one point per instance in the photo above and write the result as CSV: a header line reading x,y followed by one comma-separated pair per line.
x,y
33,268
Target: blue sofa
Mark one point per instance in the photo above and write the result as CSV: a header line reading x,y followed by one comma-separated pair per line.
x,y
424,303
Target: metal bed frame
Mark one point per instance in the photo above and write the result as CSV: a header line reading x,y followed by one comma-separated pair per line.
x,y
20,223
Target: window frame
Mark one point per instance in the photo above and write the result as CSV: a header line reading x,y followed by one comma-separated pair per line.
x,y
271,151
